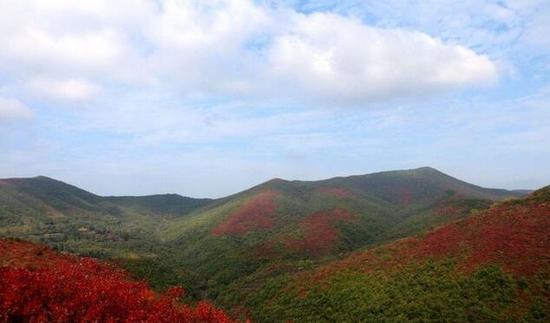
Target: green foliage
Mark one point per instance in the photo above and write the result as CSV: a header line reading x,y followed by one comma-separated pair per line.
x,y
432,291
165,204
168,239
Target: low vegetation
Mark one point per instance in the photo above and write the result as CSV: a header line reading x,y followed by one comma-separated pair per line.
x,y
39,285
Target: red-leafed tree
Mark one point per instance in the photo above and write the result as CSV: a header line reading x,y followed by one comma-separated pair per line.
x,y
38,285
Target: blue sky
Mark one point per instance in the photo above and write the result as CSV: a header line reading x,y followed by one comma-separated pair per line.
x,y
206,98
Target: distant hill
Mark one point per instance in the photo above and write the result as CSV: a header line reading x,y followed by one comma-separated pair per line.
x,y
218,247
161,204
50,195
492,266
418,185
298,224
47,195
47,210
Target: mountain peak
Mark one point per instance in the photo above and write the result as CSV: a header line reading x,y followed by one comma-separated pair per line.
x,y
427,169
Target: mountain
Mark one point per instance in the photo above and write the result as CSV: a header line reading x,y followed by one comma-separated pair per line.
x,y
416,184
492,266
160,204
48,195
234,242
45,195
69,218
217,248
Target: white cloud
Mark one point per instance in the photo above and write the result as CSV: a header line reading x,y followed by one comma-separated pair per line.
x,y
337,58
13,109
65,90
223,47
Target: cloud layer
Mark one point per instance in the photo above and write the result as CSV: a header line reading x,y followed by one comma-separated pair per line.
x,y
138,97
70,51
13,109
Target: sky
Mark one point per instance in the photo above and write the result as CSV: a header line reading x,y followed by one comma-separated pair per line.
x,y
209,97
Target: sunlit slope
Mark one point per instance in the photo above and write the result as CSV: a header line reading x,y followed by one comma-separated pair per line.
x,y
160,205
225,245
283,226
65,216
494,265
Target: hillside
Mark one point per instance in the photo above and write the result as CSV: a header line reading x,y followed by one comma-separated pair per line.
x,y
50,211
217,248
492,266
235,242
47,195
419,185
159,205
39,285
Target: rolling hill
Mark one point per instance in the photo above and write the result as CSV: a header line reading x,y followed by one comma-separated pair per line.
x,y
69,218
299,224
46,195
219,248
492,266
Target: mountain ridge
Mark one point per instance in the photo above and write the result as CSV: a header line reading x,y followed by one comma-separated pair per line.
x,y
252,239
278,180
211,246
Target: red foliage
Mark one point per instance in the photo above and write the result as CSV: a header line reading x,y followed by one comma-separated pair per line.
x,y
517,238
256,214
514,236
38,285
319,234
519,241
336,191
405,196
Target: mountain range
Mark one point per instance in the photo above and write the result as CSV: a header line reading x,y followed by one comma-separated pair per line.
x,y
242,251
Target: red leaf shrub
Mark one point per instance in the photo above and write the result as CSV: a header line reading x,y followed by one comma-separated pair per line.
x,y
256,214
38,285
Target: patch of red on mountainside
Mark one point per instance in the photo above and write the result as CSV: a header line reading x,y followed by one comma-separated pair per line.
x,y
267,249
319,232
336,191
256,214
40,285
518,238
515,236
405,196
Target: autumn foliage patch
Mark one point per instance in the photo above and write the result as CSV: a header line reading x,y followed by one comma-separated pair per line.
x,y
492,266
256,214
514,236
405,196
39,285
319,234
